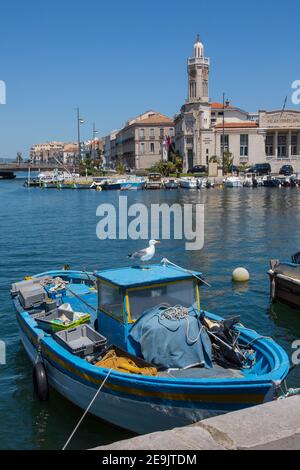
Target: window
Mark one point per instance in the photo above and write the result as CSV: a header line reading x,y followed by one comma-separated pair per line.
x,y
152,133
152,149
142,149
282,143
244,139
224,144
142,133
182,293
172,132
294,142
111,301
161,133
269,145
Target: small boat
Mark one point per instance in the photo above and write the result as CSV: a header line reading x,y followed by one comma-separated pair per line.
x,y
171,183
133,184
205,183
188,182
7,175
150,358
154,181
271,182
248,180
233,182
113,183
285,281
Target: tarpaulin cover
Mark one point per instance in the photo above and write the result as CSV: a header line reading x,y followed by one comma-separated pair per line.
x,y
180,343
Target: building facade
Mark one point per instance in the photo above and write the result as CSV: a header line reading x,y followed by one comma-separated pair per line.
x,y
203,128
140,143
48,152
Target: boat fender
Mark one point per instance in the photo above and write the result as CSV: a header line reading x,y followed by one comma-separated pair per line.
x,y
40,381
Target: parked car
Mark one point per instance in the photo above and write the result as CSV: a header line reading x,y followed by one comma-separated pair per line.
x,y
198,169
286,170
261,169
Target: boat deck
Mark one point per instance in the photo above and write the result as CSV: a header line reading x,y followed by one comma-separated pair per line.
x,y
216,372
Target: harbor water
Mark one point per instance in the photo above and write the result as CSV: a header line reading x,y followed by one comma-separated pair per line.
x,y
46,229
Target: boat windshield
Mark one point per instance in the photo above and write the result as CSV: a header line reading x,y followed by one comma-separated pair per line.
x,y
181,293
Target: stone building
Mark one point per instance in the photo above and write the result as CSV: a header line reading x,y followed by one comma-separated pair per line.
x,y
140,143
48,152
203,127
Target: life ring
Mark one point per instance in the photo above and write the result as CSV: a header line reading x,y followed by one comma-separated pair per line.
x,y
40,381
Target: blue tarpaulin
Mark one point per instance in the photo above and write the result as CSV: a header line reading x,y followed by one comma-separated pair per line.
x,y
178,344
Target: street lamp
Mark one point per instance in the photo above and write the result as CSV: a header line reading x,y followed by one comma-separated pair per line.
x,y
95,132
223,138
79,121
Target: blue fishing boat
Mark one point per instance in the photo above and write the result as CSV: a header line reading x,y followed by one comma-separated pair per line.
x,y
150,358
133,184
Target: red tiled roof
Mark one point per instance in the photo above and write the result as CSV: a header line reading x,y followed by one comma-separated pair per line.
x,y
236,125
219,106
156,118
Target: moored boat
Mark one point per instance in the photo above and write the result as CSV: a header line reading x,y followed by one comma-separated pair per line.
x,y
133,183
285,281
171,183
188,182
176,374
233,182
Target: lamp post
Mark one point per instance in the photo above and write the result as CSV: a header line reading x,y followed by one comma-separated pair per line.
x,y
223,137
95,132
79,121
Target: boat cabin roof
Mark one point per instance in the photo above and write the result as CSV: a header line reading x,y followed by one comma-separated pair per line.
x,y
136,276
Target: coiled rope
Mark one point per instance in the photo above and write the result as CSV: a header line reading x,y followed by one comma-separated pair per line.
x,y
177,313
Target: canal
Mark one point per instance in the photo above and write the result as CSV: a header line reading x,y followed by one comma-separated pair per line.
x,y
45,229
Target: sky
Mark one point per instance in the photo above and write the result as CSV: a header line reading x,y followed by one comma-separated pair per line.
x,y
116,59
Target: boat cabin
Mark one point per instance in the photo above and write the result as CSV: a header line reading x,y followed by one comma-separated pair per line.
x,y
124,294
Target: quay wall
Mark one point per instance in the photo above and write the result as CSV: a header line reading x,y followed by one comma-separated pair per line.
x,y
271,426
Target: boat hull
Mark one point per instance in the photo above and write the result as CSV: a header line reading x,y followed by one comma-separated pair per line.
x,y
141,415
285,289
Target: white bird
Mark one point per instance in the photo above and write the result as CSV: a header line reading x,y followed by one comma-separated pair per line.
x,y
146,254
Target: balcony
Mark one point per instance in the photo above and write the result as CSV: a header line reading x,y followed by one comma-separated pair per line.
x,y
199,61
273,158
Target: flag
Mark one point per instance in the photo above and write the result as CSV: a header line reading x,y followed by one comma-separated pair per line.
x,y
284,105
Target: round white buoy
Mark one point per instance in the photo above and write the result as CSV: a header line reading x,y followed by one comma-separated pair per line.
x,y
240,275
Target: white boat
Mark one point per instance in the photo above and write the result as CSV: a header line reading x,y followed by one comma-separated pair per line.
x,y
233,182
188,182
171,183
204,183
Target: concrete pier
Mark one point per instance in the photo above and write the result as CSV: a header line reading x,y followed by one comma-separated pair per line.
x,y
271,426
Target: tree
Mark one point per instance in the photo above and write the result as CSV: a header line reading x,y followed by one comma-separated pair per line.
x,y
164,168
19,158
228,161
120,167
214,159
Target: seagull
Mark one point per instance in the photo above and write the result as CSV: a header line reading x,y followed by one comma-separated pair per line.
x,y
147,253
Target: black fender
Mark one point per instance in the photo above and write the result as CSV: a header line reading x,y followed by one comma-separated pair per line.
x,y
40,381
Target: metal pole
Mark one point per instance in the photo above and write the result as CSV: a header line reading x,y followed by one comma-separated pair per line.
x,y
78,134
223,148
93,142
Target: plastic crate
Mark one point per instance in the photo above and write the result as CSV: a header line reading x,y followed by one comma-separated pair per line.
x,y
52,322
82,340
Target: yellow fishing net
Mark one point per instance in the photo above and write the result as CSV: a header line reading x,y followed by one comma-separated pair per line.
x,y
124,364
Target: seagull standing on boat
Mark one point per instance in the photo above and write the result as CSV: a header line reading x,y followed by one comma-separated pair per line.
x,y
146,254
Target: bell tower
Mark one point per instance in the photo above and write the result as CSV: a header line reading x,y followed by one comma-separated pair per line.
x,y
198,74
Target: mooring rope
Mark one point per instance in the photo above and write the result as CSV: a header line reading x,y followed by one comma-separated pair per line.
x,y
87,410
166,261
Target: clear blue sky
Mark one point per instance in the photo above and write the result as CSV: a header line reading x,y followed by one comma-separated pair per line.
x,y
116,59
